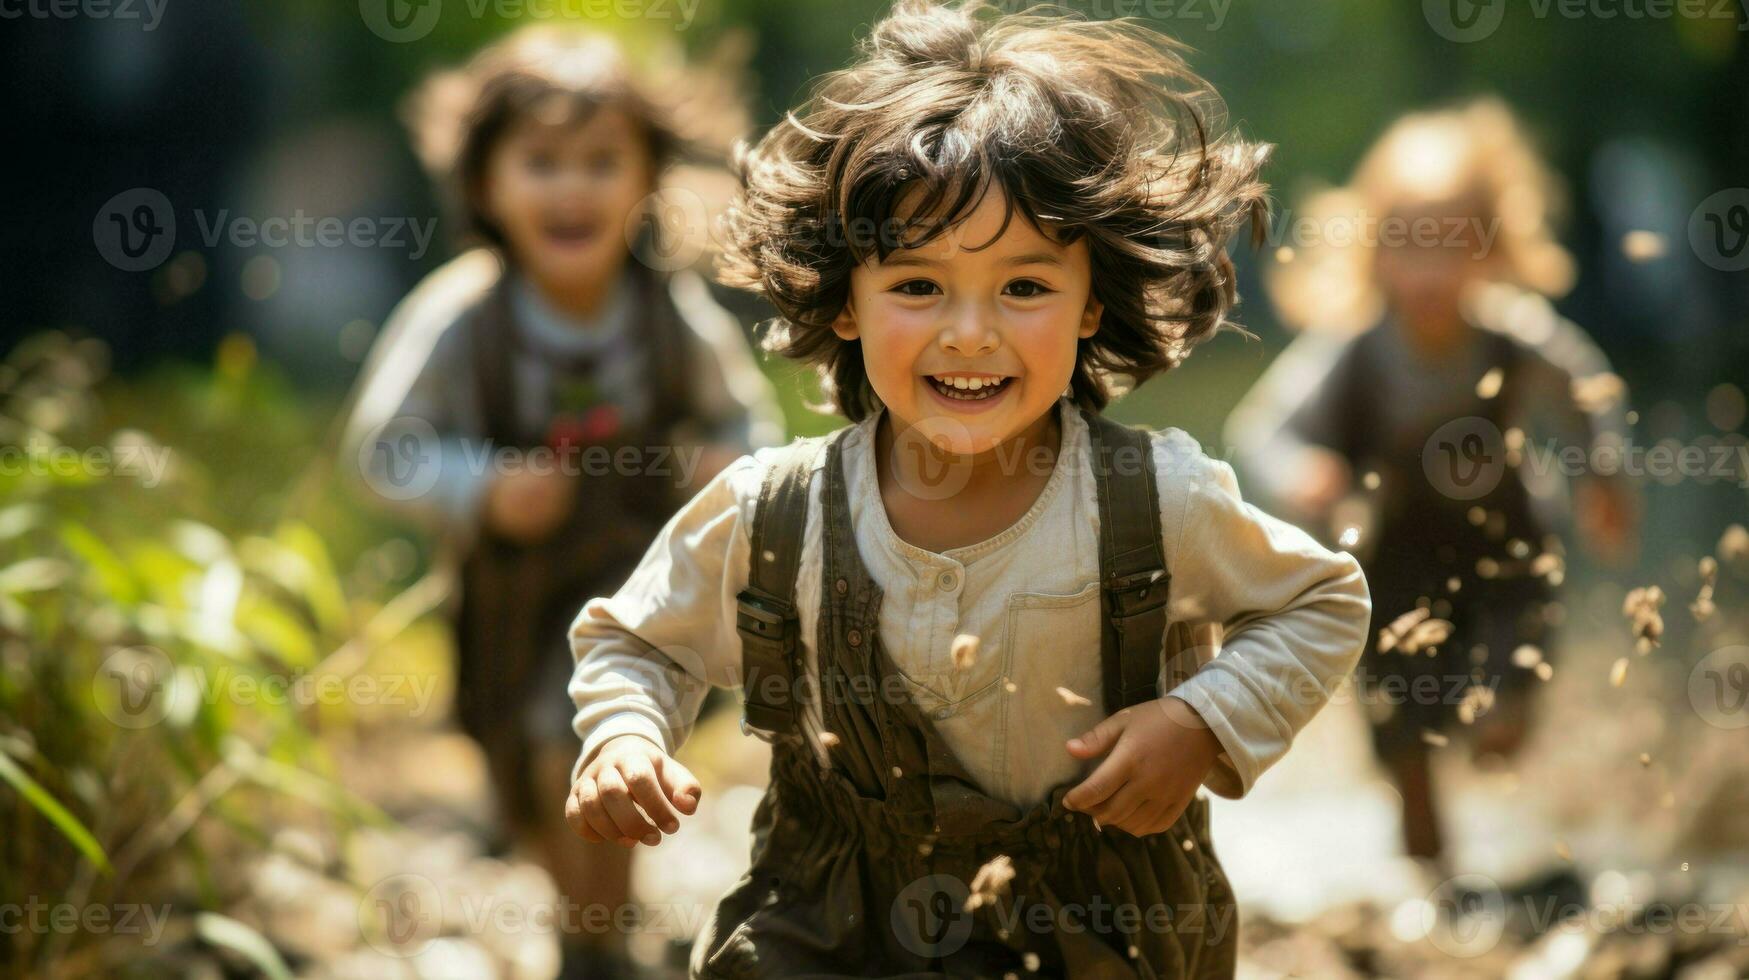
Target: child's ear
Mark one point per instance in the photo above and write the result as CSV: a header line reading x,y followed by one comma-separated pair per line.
x,y
844,325
1090,318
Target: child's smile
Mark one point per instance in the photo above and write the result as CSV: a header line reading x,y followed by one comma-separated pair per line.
x,y
972,337
971,392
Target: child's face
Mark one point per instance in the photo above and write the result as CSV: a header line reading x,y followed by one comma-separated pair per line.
x,y
1435,254
941,318
562,194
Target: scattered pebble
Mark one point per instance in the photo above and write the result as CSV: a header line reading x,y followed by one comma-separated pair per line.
x,y
1477,700
1643,246
965,651
1072,699
1641,608
1489,386
1598,393
991,882
1414,631
1702,607
1734,544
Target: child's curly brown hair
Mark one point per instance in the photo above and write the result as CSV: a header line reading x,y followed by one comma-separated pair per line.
x,y
1094,129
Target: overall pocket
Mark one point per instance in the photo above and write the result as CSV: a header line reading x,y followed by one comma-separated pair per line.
x,y
1053,642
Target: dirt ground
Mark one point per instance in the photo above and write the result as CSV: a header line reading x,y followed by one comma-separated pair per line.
x,y
1616,844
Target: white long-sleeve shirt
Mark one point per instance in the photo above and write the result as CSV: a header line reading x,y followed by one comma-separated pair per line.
x,y
1294,616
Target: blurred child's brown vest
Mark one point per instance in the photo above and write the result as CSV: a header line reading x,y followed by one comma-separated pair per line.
x,y
1424,537
518,601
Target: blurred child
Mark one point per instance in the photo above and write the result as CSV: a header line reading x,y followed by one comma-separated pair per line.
x,y
620,388
949,617
1432,370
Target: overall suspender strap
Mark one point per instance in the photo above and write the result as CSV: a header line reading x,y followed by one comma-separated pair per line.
x,y
771,648
1132,562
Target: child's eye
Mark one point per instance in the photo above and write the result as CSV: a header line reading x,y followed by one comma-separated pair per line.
x,y
1027,288
542,162
605,165
915,287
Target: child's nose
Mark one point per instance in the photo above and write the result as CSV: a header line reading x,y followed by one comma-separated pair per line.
x,y
969,332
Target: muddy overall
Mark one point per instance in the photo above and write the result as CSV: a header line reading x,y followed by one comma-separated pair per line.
x,y
864,869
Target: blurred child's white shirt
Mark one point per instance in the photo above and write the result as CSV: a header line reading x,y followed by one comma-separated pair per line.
x,y
422,367
1295,618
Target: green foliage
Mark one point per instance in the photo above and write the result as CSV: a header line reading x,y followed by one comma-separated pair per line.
x,y
149,599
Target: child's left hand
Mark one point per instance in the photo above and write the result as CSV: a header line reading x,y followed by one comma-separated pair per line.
x,y
1160,752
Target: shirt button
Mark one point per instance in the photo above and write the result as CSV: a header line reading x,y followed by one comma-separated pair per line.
x,y
947,581
943,712
854,638
841,586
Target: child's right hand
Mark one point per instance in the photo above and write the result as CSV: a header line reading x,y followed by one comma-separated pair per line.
x,y
526,506
1323,478
630,769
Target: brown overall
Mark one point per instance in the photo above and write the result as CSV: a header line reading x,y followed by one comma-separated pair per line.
x,y
864,869
518,600
1423,539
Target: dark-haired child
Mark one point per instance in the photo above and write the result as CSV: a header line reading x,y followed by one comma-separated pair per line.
x,y
950,617
551,397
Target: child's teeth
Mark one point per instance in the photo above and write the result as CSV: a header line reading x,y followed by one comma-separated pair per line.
x,y
961,383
